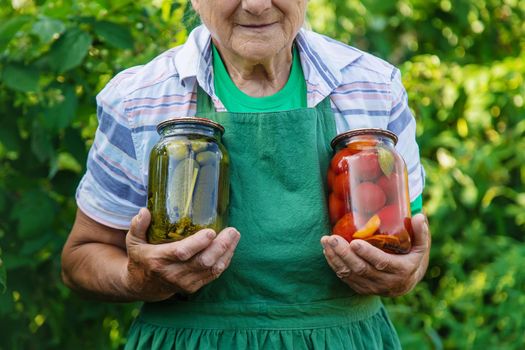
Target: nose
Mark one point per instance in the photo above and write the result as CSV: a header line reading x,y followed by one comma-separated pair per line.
x,y
256,7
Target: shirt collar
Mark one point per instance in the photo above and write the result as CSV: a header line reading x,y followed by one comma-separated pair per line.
x,y
322,60
194,56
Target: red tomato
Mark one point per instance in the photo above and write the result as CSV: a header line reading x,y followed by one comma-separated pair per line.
x,y
369,197
342,186
389,186
365,165
330,178
408,227
391,220
345,227
336,208
339,162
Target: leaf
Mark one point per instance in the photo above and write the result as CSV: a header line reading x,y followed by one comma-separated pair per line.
x,y
3,202
190,18
65,182
35,212
61,114
32,246
75,145
69,51
15,261
379,6
20,77
9,137
386,161
9,28
41,144
114,34
46,28
3,275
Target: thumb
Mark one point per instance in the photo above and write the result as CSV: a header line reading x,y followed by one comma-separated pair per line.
x,y
139,226
421,232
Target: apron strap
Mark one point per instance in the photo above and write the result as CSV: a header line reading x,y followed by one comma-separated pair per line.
x,y
204,102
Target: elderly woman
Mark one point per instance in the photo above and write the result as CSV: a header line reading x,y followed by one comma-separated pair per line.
x,y
272,280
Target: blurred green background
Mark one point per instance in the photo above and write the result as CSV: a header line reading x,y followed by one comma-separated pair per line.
x,y
463,65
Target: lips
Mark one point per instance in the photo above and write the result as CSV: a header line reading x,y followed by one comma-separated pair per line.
x,y
256,26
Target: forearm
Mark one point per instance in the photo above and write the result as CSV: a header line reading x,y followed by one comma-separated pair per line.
x,y
94,261
96,270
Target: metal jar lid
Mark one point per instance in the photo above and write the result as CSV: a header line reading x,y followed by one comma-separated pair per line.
x,y
190,121
364,131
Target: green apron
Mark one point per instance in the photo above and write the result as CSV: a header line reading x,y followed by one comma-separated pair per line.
x,y
278,292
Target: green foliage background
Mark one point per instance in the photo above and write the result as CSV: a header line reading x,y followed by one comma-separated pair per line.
x,y
463,64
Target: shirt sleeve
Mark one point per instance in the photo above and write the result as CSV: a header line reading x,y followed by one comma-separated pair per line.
x,y
403,124
112,190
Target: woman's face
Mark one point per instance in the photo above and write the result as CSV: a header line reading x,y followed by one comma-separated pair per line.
x,y
252,29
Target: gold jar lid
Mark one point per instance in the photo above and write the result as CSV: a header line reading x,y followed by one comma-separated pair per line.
x,y
190,121
364,131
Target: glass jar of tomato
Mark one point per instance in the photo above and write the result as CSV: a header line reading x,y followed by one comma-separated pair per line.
x,y
368,190
188,185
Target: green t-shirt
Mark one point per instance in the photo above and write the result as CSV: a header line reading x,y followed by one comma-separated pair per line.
x,y
417,205
291,96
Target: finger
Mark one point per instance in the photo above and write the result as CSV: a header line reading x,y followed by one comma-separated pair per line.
x,y
139,226
225,241
185,282
193,279
350,258
224,261
192,283
366,286
421,233
334,260
187,248
374,256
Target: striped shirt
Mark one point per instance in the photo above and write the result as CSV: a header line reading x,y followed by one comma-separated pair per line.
x,y
364,91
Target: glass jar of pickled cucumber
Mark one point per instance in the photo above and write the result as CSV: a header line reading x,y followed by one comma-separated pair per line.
x,y
368,190
188,185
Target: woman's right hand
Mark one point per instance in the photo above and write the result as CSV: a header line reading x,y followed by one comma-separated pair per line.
x,y
157,271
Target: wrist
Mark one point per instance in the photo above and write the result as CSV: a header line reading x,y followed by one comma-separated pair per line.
x,y
128,287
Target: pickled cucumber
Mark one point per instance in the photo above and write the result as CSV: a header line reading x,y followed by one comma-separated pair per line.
x,y
224,186
206,157
199,145
157,203
188,181
180,179
205,196
178,150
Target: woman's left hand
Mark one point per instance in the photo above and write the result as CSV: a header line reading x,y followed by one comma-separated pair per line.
x,y
370,271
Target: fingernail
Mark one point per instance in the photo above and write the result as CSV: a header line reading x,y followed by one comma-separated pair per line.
x,y
219,268
333,242
139,216
210,234
234,233
357,246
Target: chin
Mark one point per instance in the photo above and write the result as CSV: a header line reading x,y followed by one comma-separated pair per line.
x,y
256,51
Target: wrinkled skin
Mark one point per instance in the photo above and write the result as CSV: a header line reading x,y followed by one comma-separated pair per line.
x,y
370,271
121,266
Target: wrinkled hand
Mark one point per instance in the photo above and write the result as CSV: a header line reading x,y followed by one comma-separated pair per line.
x,y
156,272
370,271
